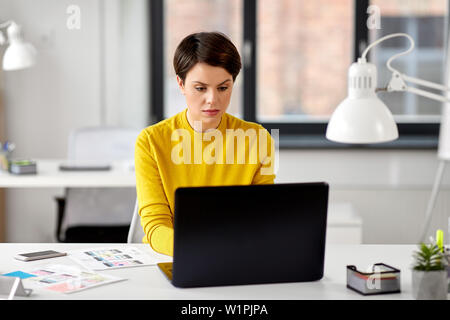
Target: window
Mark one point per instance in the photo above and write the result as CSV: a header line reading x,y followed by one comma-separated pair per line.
x,y
304,50
182,18
296,55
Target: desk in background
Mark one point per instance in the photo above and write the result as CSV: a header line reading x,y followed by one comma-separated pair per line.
x,y
149,283
344,223
49,176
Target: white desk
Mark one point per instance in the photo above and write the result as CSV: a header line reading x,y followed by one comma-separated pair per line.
x,y
344,224
150,283
49,176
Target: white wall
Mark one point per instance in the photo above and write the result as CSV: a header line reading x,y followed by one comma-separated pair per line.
x,y
67,89
389,189
96,75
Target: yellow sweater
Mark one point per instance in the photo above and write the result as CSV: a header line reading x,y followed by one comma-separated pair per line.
x,y
170,154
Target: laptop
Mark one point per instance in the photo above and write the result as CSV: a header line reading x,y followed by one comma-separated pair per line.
x,y
253,234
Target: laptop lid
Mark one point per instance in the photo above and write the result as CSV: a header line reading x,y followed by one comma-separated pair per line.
x,y
236,235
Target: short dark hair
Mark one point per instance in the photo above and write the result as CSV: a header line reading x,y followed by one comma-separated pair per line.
x,y
213,48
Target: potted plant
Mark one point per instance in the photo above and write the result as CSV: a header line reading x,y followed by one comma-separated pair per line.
x,y
429,274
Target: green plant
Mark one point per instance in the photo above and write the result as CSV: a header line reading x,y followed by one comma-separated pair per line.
x,y
429,258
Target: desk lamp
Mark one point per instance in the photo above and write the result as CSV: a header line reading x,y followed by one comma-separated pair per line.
x,y
363,118
19,54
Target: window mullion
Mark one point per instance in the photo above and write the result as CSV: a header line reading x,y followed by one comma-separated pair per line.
x,y
249,60
156,76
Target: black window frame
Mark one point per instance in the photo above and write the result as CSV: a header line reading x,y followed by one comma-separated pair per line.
x,y
291,135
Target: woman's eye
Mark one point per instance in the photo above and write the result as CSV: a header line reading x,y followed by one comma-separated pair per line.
x,y
223,88
200,89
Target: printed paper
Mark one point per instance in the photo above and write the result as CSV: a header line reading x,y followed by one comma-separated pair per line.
x,y
111,258
66,279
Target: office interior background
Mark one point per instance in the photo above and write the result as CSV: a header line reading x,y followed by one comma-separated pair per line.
x,y
101,74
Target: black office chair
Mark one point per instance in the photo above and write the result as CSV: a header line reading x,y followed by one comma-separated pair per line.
x,y
97,215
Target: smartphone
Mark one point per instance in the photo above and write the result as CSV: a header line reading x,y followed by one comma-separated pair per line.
x,y
39,255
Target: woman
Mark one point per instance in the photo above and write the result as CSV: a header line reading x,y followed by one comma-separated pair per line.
x,y
202,145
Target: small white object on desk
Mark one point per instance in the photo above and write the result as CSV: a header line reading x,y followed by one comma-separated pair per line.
x,y
11,287
84,166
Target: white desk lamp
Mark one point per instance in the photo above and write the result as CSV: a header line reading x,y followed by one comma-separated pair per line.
x,y
363,118
19,54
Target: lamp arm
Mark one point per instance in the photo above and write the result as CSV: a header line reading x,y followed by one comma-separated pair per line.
x,y
425,83
398,83
398,79
6,24
427,94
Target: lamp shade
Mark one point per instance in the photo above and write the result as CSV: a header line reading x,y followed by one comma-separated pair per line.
x,y
18,54
362,120
362,117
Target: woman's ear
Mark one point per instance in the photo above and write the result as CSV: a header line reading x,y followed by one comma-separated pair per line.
x,y
180,84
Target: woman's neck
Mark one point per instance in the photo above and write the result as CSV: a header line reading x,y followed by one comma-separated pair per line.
x,y
203,127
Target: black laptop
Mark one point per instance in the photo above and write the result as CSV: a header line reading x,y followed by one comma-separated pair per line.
x,y
237,235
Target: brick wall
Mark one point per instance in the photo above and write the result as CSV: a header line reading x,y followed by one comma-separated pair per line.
x,y
305,50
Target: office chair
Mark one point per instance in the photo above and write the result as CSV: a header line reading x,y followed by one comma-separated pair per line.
x,y
136,232
97,214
